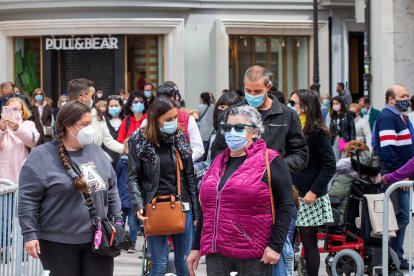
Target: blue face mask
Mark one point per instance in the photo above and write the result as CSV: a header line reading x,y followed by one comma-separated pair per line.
x,y
235,140
38,98
363,111
255,101
402,105
91,104
169,127
147,94
326,102
114,111
137,107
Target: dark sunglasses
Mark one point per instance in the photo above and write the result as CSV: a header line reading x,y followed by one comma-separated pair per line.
x,y
292,103
38,94
237,127
137,101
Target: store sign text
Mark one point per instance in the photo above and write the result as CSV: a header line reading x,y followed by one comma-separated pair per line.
x,y
82,43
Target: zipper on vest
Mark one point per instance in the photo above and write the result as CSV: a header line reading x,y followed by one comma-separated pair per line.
x,y
218,205
245,235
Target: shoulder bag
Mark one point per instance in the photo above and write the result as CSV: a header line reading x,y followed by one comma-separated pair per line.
x,y
165,213
109,238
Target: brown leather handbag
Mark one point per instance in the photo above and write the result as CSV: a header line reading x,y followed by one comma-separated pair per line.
x,y
166,217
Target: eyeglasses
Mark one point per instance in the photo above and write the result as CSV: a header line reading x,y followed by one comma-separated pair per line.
x,y
111,97
166,90
237,127
38,94
292,102
137,101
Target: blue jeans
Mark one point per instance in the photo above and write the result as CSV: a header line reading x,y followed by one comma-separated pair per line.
x,y
403,217
158,247
286,261
133,223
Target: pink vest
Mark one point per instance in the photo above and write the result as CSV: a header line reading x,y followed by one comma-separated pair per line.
x,y
237,221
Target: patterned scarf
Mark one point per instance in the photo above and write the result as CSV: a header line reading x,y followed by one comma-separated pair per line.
x,y
146,150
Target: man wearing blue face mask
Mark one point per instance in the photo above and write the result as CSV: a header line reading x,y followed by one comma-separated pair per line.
x,y
283,131
394,145
83,90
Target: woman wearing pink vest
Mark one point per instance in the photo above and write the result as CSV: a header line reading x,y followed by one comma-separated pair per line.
x,y
236,232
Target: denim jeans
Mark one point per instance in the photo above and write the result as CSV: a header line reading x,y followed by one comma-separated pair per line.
x,y
158,247
286,261
403,217
133,223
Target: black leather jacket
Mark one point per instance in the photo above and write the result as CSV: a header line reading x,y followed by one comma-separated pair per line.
x,y
143,180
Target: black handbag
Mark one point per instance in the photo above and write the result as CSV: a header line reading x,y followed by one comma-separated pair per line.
x,y
108,238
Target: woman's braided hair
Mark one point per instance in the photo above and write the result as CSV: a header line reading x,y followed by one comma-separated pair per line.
x,y
68,115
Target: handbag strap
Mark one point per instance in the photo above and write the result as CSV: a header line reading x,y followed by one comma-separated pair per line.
x,y
75,172
204,113
178,166
269,180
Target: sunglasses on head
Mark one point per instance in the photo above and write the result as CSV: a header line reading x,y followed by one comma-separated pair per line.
x,y
166,90
111,97
237,127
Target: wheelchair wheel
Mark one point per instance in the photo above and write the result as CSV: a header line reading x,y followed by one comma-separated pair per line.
x,y
328,263
347,262
146,260
394,260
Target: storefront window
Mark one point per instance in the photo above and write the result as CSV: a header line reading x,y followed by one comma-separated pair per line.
x,y
144,61
27,63
286,57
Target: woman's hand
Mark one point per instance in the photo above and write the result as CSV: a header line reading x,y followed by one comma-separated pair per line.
x,y
140,215
3,124
310,197
32,248
270,256
13,124
192,261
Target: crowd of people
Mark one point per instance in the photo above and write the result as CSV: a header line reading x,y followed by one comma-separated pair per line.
x,y
248,169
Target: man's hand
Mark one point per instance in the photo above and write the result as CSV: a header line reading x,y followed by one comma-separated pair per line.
x,y
270,256
32,248
192,261
310,197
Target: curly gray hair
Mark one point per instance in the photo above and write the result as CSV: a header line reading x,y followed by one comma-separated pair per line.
x,y
250,114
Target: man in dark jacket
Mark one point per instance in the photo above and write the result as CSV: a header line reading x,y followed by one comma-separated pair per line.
x,y
283,131
8,93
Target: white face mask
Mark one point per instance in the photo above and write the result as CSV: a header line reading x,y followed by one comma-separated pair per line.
x,y
85,135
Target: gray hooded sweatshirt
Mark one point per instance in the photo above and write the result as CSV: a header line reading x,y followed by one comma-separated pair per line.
x,y
51,208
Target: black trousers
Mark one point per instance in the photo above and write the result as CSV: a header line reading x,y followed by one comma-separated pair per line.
x,y
74,260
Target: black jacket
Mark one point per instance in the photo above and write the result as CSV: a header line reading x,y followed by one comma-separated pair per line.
x,y
321,167
283,132
46,120
143,180
345,129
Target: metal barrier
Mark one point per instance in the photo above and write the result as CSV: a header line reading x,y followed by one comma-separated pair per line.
x,y
385,242
14,261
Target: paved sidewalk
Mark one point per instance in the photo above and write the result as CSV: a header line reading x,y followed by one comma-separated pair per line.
x,y
130,264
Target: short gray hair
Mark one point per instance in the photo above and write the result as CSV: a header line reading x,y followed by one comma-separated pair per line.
x,y
256,72
250,114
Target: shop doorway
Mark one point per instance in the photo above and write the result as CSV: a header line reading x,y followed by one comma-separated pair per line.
x,y
356,64
96,65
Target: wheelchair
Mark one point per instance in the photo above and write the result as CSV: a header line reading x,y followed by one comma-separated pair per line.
x,y
350,247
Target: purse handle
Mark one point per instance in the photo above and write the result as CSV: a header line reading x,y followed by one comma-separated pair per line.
x,y
269,180
178,166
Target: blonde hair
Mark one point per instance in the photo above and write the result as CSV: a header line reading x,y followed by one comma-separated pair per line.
x,y
26,113
100,104
356,106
